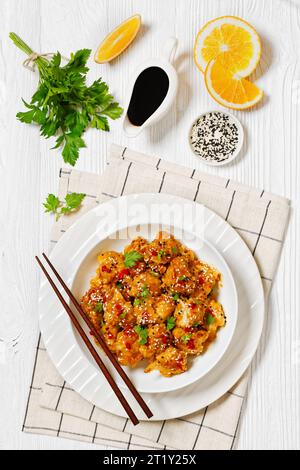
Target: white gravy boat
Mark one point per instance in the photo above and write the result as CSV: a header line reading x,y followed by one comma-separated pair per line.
x,y
165,63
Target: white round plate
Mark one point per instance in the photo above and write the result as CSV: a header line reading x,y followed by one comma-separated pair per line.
x,y
154,382
66,351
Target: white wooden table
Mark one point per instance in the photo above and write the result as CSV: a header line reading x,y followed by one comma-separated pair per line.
x,y
29,171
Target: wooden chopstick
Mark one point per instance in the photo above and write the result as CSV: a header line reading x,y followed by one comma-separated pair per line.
x,y
102,342
92,350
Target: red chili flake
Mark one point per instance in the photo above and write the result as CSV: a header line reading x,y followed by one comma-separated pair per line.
x,y
191,344
201,280
104,298
127,345
91,333
210,312
119,308
193,306
123,273
164,339
187,329
154,253
129,331
110,335
105,269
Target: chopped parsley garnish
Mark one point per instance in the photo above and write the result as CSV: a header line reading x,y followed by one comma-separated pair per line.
x,y
170,323
185,338
160,254
183,278
99,307
123,315
119,284
142,332
176,296
210,319
197,323
131,258
145,292
175,250
136,302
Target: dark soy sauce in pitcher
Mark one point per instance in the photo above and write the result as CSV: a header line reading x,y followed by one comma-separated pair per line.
x,y
149,91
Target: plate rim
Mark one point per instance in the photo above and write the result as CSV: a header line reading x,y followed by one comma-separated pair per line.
x,y
230,381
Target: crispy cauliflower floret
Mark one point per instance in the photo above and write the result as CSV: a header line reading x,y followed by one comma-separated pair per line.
x,y
190,340
127,347
179,277
157,341
170,362
189,313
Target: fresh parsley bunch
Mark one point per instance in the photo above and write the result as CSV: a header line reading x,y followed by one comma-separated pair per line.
x,y
63,105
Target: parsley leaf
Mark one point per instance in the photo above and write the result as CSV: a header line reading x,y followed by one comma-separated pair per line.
x,y
185,338
52,203
210,319
176,296
131,258
183,278
71,203
170,323
99,307
161,253
63,105
142,332
136,302
145,291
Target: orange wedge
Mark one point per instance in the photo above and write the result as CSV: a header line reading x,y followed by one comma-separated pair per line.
x,y
118,40
232,41
229,89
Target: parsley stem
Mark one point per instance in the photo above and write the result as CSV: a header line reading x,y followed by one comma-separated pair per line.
x,y
41,61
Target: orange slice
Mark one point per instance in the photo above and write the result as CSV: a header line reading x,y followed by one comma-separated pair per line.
x,y
231,40
118,40
229,89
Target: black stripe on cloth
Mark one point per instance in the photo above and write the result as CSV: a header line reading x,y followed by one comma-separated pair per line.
x,y
60,394
129,441
228,181
199,430
125,424
95,432
197,191
256,233
193,172
93,408
109,195
60,386
40,428
158,163
123,153
235,394
230,205
32,379
217,430
162,182
261,228
261,194
64,172
161,430
236,428
126,178
59,426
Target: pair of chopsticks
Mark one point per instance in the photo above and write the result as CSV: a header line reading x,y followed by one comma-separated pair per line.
x,y
100,339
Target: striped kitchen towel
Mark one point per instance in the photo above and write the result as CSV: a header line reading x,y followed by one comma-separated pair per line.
x,y
259,217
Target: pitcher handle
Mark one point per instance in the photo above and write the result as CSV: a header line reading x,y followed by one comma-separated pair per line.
x,y
169,49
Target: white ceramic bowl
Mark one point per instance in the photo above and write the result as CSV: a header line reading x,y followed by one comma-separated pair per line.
x,y
154,382
239,144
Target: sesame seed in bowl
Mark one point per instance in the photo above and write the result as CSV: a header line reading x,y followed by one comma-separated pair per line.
x,y
216,137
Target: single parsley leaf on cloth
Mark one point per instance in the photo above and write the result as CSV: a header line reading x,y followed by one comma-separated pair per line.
x,y
131,258
72,202
142,332
52,203
63,105
170,323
